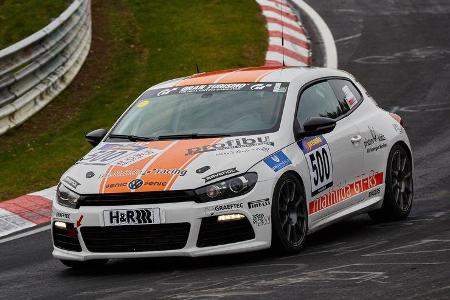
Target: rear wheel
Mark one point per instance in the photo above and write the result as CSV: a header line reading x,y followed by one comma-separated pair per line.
x,y
289,215
398,196
84,264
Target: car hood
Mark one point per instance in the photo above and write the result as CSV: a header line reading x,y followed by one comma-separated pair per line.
x,y
121,167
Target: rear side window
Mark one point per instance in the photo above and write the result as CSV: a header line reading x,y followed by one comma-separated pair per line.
x,y
319,100
347,94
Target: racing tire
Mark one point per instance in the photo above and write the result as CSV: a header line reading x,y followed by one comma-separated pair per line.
x,y
289,215
398,195
89,264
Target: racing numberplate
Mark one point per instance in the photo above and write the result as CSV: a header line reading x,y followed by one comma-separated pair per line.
x,y
141,216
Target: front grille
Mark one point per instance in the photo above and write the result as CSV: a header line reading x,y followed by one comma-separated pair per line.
x,y
66,239
137,198
213,233
136,238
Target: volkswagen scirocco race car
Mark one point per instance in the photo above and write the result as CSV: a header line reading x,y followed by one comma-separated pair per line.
x,y
233,161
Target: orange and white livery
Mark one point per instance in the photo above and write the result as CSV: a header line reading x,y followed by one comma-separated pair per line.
x,y
233,161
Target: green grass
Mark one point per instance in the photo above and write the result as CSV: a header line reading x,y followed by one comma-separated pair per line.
x,y
21,18
148,42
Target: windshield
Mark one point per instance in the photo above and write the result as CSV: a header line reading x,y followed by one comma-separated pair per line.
x,y
215,109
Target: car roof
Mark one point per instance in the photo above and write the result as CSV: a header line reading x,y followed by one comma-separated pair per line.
x,y
253,74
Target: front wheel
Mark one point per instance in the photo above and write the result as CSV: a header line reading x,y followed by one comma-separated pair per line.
x,y
398,197
289,215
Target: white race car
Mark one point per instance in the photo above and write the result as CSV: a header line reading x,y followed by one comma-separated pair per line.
x,y
233,161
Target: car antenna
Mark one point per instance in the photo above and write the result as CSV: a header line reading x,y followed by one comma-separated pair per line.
x,y
198,69
282,32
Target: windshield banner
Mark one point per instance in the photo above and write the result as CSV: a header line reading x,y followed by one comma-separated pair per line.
x,y
274,87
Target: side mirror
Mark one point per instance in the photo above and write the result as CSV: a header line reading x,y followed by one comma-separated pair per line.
x,y
318,125
95,137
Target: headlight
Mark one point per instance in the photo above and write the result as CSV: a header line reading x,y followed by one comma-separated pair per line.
x,y
66,197
227,188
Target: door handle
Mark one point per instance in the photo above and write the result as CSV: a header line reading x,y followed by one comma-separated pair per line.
x,y
356,139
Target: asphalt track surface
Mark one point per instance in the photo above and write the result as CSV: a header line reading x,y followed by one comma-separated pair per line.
x,y
400,50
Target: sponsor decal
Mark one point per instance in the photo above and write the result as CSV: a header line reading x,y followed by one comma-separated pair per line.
x,y
139,172
231,144
309,144
72,182
202,169
115,185
62,215
220,174
258,203
374,192
221,208
135,184
164,92
136,216
349,97
90,174
345,192
398,128
277,161
320,164
117,155
279,87
375,142
260,86
143,103
243,150
260,220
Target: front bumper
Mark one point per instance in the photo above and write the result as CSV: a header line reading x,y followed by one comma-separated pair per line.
x,y
181,212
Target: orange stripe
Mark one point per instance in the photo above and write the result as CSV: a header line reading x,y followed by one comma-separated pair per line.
x,y
174,158
249,75
119,184
174,177
229,76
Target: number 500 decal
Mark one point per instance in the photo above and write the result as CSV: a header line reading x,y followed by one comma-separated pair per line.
x,y
319,161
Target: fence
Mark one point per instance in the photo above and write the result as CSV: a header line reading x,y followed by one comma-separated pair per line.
x,y
36,69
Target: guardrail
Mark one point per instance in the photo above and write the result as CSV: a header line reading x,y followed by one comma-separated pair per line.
x,y
36,69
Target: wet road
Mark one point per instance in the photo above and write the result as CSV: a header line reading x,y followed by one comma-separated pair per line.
x,y
400,50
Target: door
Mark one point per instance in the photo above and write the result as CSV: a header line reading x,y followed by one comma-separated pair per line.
x,y
335,159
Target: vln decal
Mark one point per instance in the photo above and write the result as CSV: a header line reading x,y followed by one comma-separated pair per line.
x,y
320,164
345,192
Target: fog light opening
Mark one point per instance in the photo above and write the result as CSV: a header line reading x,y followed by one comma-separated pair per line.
x,y
60,225
230,217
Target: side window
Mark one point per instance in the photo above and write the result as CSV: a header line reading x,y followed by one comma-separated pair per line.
x,y
346,92
319,100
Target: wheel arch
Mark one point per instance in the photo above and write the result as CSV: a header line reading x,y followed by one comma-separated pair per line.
x,y
407,149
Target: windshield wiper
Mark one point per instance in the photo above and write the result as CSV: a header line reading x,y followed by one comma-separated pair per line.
x,y
132,138
191,136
